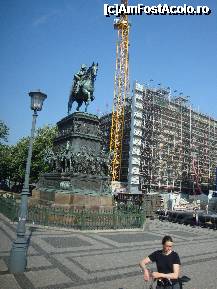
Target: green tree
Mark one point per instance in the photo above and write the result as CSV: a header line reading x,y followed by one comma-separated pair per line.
x,y
42,141
5,152
5,162
19,152
4,131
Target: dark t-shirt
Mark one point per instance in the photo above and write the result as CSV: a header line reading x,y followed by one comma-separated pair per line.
x,y
165,262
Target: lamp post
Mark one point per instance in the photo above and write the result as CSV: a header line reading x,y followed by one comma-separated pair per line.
x,y
18,254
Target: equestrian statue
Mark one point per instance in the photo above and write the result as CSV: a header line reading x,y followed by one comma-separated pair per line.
x,y
83,86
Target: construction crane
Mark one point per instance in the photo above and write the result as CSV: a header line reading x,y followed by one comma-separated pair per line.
x,y
121,91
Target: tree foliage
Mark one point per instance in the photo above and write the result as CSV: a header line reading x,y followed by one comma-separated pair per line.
x,y
43,140
19,152
5,161
13,158
4,131
4,152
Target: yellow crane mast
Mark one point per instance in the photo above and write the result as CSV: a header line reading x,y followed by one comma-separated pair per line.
x,y
121,91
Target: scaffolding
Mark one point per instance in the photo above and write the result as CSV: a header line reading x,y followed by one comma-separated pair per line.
x,y
178,151
168,146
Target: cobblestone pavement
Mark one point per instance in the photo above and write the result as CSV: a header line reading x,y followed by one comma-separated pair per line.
x,y
59,259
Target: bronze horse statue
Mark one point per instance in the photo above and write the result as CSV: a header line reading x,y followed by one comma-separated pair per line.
x,y
82,89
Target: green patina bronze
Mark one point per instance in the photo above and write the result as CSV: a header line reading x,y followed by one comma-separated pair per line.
x,y
83,86
78,162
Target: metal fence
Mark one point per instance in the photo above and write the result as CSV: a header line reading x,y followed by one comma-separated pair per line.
x,y
9,207
82,219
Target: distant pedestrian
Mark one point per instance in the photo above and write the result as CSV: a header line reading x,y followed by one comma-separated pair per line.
x,y
195,215
168,266
197,218
207,209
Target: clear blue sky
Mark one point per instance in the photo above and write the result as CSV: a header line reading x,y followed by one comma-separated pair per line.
x,y
44,42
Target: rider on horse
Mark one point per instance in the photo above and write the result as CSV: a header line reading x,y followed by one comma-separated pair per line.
x,y
78,77
83,86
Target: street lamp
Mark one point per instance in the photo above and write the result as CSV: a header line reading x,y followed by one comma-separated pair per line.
x,y
18,255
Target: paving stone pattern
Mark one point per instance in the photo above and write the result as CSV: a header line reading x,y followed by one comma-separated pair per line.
x,y
60,259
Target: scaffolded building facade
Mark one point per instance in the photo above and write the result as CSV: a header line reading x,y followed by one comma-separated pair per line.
x,y
168,145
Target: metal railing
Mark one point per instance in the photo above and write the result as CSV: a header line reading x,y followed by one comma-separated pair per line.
x,y
9,207
81,219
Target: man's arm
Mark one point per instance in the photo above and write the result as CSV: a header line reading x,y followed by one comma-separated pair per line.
x,y
142,265
174,275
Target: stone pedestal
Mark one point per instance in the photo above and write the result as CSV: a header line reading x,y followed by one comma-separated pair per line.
x,y
79,175
67,200
78,132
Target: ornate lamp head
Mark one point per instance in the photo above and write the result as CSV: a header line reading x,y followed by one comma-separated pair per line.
x,y
37,99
